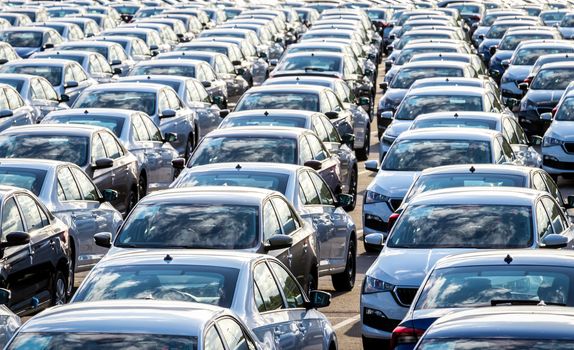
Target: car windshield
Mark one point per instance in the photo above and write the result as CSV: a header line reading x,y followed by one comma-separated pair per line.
x,y
477,285
567,22
183,70
497,31
553,79
22,39
312,63
498,343
466,8
279,100
136,100
191,225
51,73
102,50
263,121
196,283
413,106
528,56
217,49
270,181
75,58
15,83
405,39
454,123
67,148
407,76
437,182
417,155
566,110
484,226
99,340
552,16
407,54
245,149
376,14
115,125
30,179
510,42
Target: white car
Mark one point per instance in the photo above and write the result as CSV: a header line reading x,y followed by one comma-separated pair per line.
x,y
452,221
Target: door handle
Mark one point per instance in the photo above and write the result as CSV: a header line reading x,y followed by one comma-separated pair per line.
x,y
305,245
289,257
52,244
277,332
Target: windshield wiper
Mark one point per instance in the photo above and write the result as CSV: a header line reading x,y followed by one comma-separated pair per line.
x,y
495,302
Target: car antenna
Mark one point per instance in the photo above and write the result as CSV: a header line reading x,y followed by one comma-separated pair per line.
x,y
168,258
238,167
508,259
266,113
472,169
456,115
86,111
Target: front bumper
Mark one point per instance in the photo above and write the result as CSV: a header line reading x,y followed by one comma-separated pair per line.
x,y
557,160
388,314
376,218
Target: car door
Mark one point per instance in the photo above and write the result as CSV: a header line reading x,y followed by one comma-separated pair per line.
x,y
308,322
330,165
143,149
103,178
121,177
22,114
560,224
161,152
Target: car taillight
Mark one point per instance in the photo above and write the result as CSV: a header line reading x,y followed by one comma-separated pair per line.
x,y
405,335
392,219
475,17
528,80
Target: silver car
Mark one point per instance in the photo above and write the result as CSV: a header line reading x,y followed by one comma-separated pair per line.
x,y
310,196
138,134
257,288
72,197
141,324
13,110
112,51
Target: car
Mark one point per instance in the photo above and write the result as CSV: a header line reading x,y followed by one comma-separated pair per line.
x,y
68,31
29,227
517,327
63,11
199,70
37,92
499,28
88,25
220,217
242,282
150,36
158,101
553,17
416,150
443,222
13,110
16,19
475,280
135,48
168,37
94,64
28,40
566,26
156,324
67,77
470,58
138,133
310,197
483,26
266,33
545,59
94,149
177,25
112,51
72,197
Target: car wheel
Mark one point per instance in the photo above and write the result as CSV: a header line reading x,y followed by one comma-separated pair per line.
x,y
363,153
142,185
345,281
189,147
59,289
375,344
352,190
132,199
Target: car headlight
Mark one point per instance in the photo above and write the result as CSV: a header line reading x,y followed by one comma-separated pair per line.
x,y
374,197
373,285
548,141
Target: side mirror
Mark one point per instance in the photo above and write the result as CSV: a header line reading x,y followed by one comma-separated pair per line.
x,y
481,36
178,163
511,102
236,63
48,46
117,71
71,84
16,238
5,296
154,47
278,242
475,25
170,137
392,37
390,49
6,113
168,113
319,299
262,55
313,164
554,241
384,86
273,62
505,64
154,53
364,101
535,140
523,86
546,116
64,98
115,62
103,163
368,72
103,239
223,113
332,115
492,50
387,115
372,165
240,71
374,241
278,40
3,61
348,139
206,84
110,195
344,200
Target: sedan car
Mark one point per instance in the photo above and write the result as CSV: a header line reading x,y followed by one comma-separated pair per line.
x,y
242,282
482,279
155,324
444,222
28,40
94,149
112,51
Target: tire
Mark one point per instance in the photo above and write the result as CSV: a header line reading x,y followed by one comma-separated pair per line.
x,y
345,281
132,200
352,190
142,185
363,153
375,344
59,288
71,271
189,146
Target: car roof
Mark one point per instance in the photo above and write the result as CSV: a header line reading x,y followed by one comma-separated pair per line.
x,y
18,76
280,168
149,87
259,131
460,91
126,316
433,64
461,115
94,43
559,65
287,88
462,169
302,79
449,134
538,257
210,194
273,113
170,62
52,62
35,163
102,112
417,45
149,79
313,54
54,129
515,196
65,52
28,29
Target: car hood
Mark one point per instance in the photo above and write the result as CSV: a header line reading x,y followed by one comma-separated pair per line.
x,y
487,43
563,129
394,96
544,96
392,183
24,52
407,267
397,127
501,55
516,73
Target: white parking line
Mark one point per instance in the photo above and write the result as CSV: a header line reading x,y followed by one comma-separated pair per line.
x,y
346,322
363,172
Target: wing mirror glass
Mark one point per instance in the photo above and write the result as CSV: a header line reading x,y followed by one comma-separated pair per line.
x,y
319,299
224,113
505,63
206,84
372,165
535,140
332,115
178,163
387,115
117,71
364,101
344,200
5,296
109,195
64,98
170,137
546,116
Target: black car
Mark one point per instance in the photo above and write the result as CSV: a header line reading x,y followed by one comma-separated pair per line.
x,y
35,254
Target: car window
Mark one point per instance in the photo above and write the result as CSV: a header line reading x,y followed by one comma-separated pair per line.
x,y
212,340
333,101
233,335
305,153
98,151
11,218
287,284
203,94
49,91
543,225
521,135
67,187
34,216
271,224
95,66
319,129
322,188
267,294
4,105
173,100
192,94
37,91
140,131
317,149
163,103
152,129
509,131
307,192
558,222
78,73
87,187
287,218
507,150
333,134
14,99
68,74
113,150
553,188
538,182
